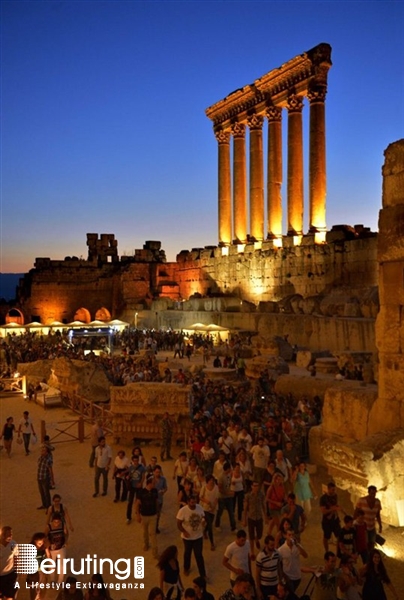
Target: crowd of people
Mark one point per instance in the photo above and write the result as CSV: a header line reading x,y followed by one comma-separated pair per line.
x,y
244,470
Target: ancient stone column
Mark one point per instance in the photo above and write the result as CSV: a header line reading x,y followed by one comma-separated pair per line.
x,y
295,165
274,181
239,182
224,191
317,166
255,123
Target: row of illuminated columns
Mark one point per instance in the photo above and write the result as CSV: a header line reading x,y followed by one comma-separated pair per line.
x,y
295,180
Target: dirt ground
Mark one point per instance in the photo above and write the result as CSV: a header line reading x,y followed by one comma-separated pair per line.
x,y
100,525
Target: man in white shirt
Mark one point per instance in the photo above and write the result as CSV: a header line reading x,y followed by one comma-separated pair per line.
x,y
290,553
191,522
102,462
26,428
237,556
260,454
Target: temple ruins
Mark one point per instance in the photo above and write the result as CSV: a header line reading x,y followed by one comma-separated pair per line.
x,y
304,76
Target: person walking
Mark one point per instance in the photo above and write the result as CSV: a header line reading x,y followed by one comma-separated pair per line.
x,y
237,557
146,509
7,434
329,507
208,498
191,523
26,427
376,577
121,466
44,477
290,553
97,431
102,463
160,484
135,478
254,515
226,495
372,507
268,569
167,428
170,577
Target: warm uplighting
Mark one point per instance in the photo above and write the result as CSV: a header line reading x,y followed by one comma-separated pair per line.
x,y
277,242
240,248
225,251
319,237
390,552
400,512
257,245
297,240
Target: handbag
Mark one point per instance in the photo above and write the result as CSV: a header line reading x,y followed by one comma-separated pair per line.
x,y
34,439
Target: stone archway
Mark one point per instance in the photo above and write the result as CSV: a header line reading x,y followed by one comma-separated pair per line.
x,y
14,315
82,314
103,314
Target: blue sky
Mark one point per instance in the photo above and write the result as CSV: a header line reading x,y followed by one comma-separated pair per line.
x,y
103,123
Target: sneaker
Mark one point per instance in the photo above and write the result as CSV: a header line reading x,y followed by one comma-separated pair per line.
x,y
40,507
95,495
145,548
158,530
128,521
186,573
116,500
213,547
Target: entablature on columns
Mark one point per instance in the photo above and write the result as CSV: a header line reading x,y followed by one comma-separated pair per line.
x,y
304,73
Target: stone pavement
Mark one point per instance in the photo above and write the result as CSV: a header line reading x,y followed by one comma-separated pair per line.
x,y
100,525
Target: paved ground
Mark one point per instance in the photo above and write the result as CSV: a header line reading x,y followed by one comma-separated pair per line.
x,y
100,525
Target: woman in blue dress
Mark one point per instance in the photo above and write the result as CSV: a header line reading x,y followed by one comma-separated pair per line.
x,y
303,487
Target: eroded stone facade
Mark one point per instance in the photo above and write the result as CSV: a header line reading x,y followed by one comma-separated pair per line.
x,y
139,407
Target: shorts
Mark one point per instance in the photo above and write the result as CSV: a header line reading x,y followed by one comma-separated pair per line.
x,y
7,585
330,526
255,528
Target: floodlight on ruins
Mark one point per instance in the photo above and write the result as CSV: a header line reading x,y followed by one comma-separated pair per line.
x,y
225,251
320,237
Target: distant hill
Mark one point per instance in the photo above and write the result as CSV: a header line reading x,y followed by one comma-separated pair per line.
x,y
8,284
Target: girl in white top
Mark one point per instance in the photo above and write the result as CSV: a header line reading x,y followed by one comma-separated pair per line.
x,y
237,486
180,468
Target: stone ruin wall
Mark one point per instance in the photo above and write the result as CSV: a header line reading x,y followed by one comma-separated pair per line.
x,y
139,407
57,292
361,438
272,274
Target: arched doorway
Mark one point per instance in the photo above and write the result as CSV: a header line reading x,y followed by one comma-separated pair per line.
x,y
103,314
14,315
82,314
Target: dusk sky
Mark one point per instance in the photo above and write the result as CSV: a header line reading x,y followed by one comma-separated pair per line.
x,y
103,114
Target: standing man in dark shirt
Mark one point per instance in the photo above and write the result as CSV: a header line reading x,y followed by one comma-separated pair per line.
x,y
166,437
135,478
45,477
146,509
329,508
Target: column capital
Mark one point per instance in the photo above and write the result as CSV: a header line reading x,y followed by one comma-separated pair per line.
x,y
255,121
317,93
295,103
238,130
273,113
223,137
